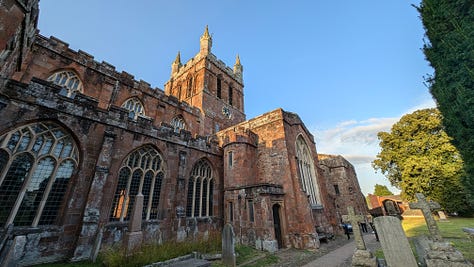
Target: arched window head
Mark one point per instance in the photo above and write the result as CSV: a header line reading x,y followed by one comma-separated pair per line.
x,y
135,107
189,86
141,170
178,123
67,80
306,171
36,163
200,190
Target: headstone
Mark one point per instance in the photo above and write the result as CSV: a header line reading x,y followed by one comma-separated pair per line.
x,y
395,246
439,253
228,246
426,208
362,256
354,220
134,237
442,216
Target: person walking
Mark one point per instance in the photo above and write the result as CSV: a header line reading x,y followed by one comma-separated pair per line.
x,y
346,230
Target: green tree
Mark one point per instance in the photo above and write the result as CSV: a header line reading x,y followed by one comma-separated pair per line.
x,y
449,48
417,156
382,190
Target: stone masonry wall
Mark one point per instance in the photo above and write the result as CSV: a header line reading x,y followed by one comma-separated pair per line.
x,y
85,213
339,172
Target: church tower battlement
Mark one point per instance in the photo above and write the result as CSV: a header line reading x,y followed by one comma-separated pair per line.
x,y
208,84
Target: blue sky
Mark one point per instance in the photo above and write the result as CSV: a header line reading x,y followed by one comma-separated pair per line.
x,y
349,68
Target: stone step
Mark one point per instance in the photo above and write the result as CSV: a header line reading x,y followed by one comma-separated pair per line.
x,y
190,263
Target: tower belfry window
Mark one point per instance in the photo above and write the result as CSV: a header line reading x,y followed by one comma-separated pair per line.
x,y
189,87
219,88
231,93
67,80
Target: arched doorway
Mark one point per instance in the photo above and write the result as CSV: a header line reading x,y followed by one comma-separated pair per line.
x,y
277,224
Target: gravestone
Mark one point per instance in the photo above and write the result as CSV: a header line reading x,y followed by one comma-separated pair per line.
x,y
362,256
426,208
228,245
439,253
395,246
442,216
134,237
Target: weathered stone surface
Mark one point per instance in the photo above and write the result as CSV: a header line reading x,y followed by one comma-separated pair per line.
x,y
228,246
355,220
363,258
262,175
444,254
395,246
426,208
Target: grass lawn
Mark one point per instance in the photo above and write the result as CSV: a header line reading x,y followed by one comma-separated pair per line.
x,y
451,230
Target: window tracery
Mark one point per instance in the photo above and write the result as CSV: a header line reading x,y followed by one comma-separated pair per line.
x,y
135,106
143,167
178,124
36,163
306,170
200,190
67,80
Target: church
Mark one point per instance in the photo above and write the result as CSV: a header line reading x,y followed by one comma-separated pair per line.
x,y
90,157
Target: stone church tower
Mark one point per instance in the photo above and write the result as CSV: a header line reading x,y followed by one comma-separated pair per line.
x,y
208,84
90,157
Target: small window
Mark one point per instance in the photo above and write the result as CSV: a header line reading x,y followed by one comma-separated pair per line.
x,y
230,95
219,88
351,189
189,87
135,106
231,211
336,188
67,80
178,123
230,158
251,214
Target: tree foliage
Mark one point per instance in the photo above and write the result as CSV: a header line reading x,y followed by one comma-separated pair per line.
x,y
417,156
449,26
382,190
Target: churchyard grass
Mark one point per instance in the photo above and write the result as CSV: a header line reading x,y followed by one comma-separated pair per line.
x,y
150,253
249,257
451,230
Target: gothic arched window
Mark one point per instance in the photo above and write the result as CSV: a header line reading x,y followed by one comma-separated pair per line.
x,y
178,123
143,169
36,163
67,80
189,86
306,170
200,190
135,106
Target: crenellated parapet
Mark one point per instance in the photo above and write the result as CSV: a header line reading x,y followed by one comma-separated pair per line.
x,y
237,135
87,60
48,96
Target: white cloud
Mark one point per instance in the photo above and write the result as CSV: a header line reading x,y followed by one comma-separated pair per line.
x,y
357,141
